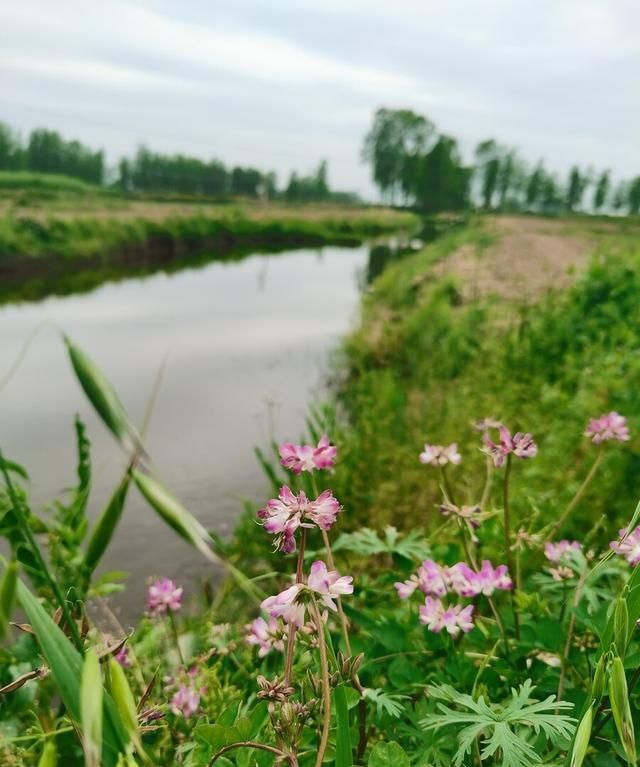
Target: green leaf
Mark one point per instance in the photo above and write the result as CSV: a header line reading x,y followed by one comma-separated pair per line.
x,y
388,755
174,514
7,596
101,395
65,663
106,525
91,705
343,735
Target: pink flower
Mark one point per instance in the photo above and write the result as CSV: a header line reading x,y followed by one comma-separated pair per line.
x,y
328,584
267,636
324,510
520,444
469,583
437,455
298,458
122,656
164,595
406,588
629,548
556,552
283,515
430,578
608,426
285,605
290,604
453,618
185,701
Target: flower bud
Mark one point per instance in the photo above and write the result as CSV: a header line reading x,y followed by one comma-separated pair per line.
x,y
619,698
334,680
599,677
356,663
287,715
621,626
582,738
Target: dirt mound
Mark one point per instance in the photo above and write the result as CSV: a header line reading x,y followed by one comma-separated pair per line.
x,y
529,256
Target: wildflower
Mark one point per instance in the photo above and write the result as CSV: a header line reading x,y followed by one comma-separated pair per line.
x,y
324,510
556,552
298,458
266,635
629,548
561,573
469,583
164,595
290,604
470,515
328,584
454,618
609,426
285,605
431,579
122,656
486,423
283,515
185,701
437,455
520,444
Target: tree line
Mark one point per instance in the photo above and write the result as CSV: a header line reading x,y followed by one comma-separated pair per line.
x,y
45,151
413,164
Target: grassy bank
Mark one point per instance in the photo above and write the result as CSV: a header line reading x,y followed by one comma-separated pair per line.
x,y
64,246
435,353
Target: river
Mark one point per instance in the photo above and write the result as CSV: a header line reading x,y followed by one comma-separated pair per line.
x,y
245,348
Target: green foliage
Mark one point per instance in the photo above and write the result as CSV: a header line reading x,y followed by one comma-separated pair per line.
x,y
388,755
501,728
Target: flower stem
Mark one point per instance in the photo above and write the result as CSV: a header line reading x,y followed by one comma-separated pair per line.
x,y
176,638
486,490
326,687
252,744
288,665
446,485
578,496
572,625
507,542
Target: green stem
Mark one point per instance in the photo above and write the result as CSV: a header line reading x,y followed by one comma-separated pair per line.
x,y
446,485
326,687
288,665
35,550
578,496
507,543
176,638
486,490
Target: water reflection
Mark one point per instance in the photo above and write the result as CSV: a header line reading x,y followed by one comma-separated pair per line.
x,y
246,345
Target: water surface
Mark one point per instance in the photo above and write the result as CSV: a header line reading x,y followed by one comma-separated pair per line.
x,y
246,346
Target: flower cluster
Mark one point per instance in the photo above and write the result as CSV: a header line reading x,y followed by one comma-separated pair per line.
x,y
282,516
437,455
453,618
290,604
557,552
267,635
628,546
436,581
519,444
299,458
609,426
185,701
164,596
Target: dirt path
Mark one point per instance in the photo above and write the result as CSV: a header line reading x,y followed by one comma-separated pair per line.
x,y
529,256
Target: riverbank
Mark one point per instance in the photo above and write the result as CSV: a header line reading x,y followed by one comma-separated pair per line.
x,y
65,246
532,321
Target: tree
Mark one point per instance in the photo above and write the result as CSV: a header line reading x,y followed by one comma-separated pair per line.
x,y
601,190
489,156
442,182
575,188
633,196
392,146
534,186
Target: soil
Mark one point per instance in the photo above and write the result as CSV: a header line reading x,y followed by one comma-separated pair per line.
x,y
529,256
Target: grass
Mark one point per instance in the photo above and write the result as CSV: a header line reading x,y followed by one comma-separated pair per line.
x,y
426,363
66,242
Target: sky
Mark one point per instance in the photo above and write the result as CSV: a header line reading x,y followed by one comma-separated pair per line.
x,y
282,84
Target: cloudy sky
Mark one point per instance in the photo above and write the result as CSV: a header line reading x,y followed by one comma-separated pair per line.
x,y
282,83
